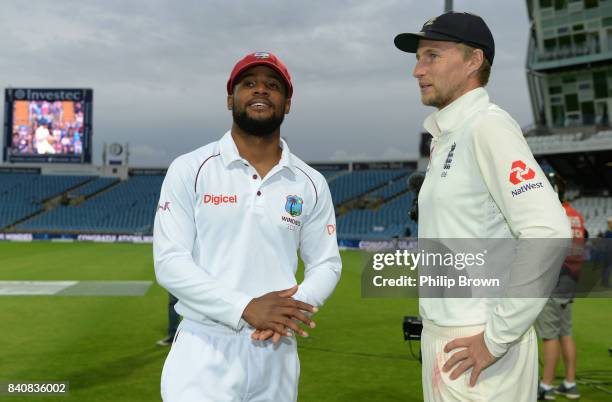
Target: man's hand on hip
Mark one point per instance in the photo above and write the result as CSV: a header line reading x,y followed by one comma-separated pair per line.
x,y
475,355
275,313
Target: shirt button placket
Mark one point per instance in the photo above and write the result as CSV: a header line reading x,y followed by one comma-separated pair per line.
x,y
256,186
257,182
258,202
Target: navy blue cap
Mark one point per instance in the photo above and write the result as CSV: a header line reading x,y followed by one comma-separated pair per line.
x,y
453,27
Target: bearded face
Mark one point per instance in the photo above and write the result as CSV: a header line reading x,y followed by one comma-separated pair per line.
x,y
259,101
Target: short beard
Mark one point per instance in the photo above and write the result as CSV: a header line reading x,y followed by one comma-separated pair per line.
x,y
443,99
439,101
258,128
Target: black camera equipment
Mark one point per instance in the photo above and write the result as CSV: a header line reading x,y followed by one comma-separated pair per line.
x,y
415,181
413,327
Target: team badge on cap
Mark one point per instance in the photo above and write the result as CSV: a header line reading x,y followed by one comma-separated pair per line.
x,y
262,55
430,21
293,206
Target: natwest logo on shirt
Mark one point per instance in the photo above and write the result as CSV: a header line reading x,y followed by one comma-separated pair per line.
x,y
527,187
220,199
520,172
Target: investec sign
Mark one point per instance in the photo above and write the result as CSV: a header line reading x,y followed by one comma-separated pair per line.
x,y
49,95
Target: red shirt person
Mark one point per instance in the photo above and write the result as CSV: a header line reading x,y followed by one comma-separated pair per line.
x,y
573,261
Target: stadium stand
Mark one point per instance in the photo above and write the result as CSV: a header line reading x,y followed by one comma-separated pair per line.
x,y
357,183
331,175
86,204
128,207
11,213
389,220
571,142
22,195
375,204
390,190
93,187
35,188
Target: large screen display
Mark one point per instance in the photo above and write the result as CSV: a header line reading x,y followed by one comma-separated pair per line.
x,y
48,125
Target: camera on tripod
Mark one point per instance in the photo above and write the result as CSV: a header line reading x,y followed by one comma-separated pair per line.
x,y
412,328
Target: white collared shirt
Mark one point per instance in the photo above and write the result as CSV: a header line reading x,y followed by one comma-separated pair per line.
x,y
473,189
224,236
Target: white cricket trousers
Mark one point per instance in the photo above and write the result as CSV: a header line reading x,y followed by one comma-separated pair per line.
x,y
513,378
213,363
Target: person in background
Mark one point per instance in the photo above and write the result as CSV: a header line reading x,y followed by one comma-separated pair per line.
x,y
173,321
554,324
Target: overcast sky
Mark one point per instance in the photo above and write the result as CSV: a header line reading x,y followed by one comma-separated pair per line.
x,y
159,68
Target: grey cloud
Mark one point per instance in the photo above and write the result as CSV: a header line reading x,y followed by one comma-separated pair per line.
x,y
158,68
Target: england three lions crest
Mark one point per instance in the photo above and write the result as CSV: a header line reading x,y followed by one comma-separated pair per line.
x,y
293,206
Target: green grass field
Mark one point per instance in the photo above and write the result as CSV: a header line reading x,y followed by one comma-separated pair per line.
x,y
105,346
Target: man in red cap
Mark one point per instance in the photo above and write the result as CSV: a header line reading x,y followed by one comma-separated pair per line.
x,y
232,216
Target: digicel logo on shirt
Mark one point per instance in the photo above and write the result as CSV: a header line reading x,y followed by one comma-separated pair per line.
x,y
220,199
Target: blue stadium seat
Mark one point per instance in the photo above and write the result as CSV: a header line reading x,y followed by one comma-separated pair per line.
x,y
128,207
21,195
359,182
390,220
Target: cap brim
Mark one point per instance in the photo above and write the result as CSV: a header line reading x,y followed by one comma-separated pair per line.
x,y
409,42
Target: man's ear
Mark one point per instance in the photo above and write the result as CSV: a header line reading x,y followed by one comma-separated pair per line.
x,y
230,101
476,60
287,105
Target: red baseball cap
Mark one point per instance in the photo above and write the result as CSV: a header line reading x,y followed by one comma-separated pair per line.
x,y
260,59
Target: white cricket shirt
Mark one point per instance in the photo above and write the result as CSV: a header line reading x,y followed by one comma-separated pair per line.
x,y
483,182
224,236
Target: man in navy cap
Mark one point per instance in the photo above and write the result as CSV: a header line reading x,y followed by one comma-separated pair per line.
x,y
482,182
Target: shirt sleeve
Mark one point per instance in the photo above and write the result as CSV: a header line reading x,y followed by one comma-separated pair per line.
x,y
174,236
532,212
319,251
